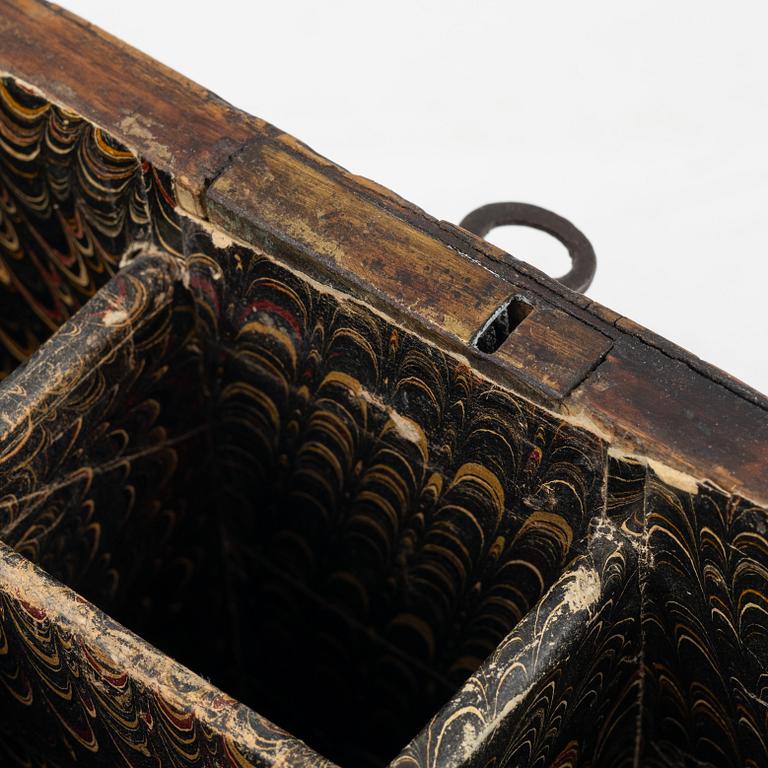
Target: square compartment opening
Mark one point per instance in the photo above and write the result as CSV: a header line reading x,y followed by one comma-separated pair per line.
x,y
336,537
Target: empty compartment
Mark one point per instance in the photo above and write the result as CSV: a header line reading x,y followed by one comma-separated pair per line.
x,y
310,506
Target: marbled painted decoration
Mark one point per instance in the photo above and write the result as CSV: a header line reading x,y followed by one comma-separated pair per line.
x,y
706,645
387,495
347,529
72,204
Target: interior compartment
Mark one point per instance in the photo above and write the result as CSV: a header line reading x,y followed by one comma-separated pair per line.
x,y
328,518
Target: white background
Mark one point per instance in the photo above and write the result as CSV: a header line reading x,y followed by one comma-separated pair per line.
x,y
646,124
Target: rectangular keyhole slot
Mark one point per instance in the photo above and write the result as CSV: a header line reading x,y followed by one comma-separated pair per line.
x,y
503,321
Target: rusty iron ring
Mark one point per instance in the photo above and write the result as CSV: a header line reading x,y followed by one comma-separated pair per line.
x,y
583,261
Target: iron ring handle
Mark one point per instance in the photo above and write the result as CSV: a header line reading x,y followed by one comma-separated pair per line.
x,y
583,261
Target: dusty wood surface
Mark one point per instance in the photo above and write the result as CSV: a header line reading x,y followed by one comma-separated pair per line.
x,y
166,118
699,422
328,227
647,394
556,348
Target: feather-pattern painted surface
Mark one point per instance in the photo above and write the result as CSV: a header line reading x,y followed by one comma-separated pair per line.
x,y
72,204
343,526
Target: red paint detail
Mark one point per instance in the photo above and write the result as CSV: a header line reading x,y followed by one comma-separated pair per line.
x,y
35,613
272,307
165,194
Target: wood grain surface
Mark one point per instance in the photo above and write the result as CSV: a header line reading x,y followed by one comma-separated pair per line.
x,y
364,238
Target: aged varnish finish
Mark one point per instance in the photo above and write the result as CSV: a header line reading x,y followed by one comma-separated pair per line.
x,y
264,501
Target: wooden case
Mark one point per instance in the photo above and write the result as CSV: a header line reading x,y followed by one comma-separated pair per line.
x,y
248,445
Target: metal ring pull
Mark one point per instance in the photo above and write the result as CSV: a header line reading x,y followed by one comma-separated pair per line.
x,y
583,261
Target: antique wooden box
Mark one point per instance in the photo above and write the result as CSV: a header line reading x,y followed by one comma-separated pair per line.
x,y
266,500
